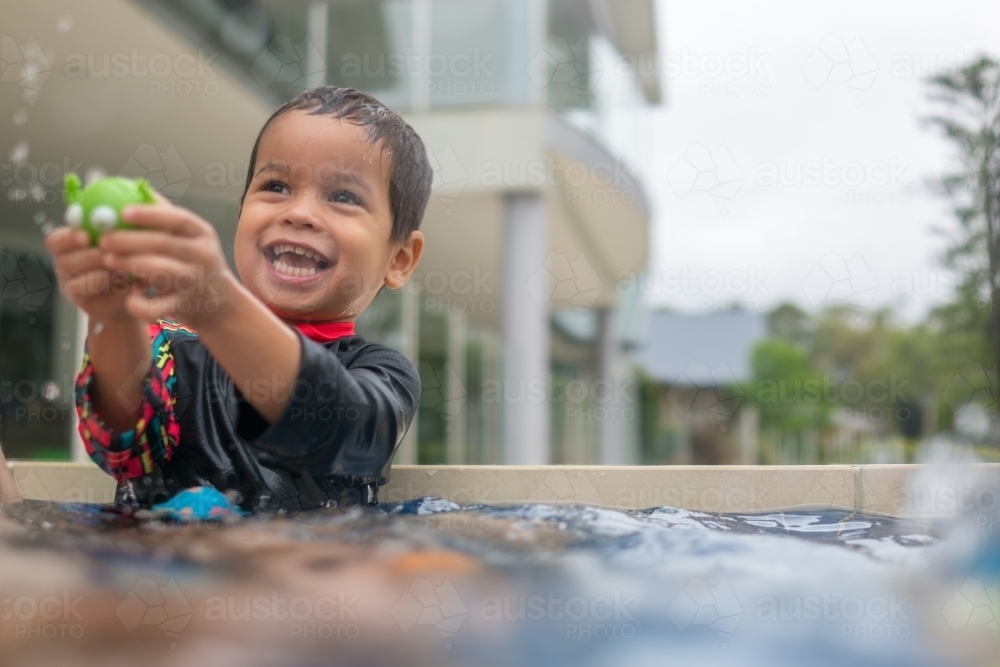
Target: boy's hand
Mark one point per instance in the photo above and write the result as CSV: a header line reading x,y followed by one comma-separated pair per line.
x,y
184,272
85,279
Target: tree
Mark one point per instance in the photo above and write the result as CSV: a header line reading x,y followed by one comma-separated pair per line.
x,y
970,118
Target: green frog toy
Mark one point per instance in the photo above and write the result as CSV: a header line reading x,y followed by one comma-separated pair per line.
x,y
97,208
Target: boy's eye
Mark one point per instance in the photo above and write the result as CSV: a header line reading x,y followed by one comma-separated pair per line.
x,y
344,197
275,186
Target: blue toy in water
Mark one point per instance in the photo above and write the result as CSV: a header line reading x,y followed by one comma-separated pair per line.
x,y
198,502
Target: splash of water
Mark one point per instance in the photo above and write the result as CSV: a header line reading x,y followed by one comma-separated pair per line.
x,y
19,153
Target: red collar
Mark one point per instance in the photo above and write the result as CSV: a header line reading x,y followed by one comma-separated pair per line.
x,y
324,332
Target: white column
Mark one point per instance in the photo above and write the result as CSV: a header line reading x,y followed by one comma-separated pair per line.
x,y
420,33
685,427
538,28
525,332
616,394
456,391
318,24
406,454
748,422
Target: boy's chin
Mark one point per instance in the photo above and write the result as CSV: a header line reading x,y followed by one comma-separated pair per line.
x,y
298,311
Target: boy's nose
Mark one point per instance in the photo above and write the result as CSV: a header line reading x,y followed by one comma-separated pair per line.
x,y
301,213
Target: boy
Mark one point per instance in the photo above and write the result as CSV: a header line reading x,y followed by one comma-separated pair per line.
x,y
263,390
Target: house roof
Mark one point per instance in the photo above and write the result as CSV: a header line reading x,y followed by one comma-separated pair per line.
x,y
700,350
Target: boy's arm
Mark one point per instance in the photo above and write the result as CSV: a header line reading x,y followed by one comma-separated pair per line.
x,y
257,350
119,345
249,341
121,356
345,420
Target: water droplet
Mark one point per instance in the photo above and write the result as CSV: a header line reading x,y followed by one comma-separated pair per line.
x,y
98,328
93,174
46,230
17,194
39,217
50,391
19,153
65,344
20,117
65,23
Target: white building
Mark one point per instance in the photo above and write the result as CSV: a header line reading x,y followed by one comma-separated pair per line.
x,y
532,111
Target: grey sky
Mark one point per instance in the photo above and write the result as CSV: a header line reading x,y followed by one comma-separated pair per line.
x,y
835,96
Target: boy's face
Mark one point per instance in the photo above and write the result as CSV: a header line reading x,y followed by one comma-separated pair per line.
x,y
313,234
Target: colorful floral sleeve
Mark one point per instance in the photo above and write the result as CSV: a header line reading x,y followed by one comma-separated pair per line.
x,y
156,435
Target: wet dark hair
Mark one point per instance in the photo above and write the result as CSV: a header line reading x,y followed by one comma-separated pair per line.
x,y
410,172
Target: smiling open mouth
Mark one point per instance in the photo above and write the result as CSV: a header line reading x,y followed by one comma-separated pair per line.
x,y
295,261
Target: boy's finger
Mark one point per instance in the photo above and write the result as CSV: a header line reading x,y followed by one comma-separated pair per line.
x,y
91,283
173,219
165,274
147,310
174,306
87,259
64,239
124,243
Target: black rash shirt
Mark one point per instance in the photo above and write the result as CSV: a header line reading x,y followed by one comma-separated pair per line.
x,y
333,444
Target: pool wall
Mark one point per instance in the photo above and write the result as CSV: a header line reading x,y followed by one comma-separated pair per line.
x,y
893,490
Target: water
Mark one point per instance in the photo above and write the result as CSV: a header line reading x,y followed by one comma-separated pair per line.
x,y
431,582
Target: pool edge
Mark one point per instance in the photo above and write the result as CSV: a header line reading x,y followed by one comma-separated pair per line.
x,y
890,490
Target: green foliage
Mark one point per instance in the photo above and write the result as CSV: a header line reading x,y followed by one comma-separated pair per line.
x,y
858,363
969,117
786,387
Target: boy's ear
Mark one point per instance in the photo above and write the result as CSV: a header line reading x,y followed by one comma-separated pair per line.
x,y
404,261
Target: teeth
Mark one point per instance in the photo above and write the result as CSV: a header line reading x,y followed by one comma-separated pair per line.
x,y
286,247
281,267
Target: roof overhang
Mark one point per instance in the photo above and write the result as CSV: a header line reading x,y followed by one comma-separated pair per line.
x,y
597,211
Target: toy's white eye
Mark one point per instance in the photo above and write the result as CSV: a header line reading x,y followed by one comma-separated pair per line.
x,y
74,215
103,217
